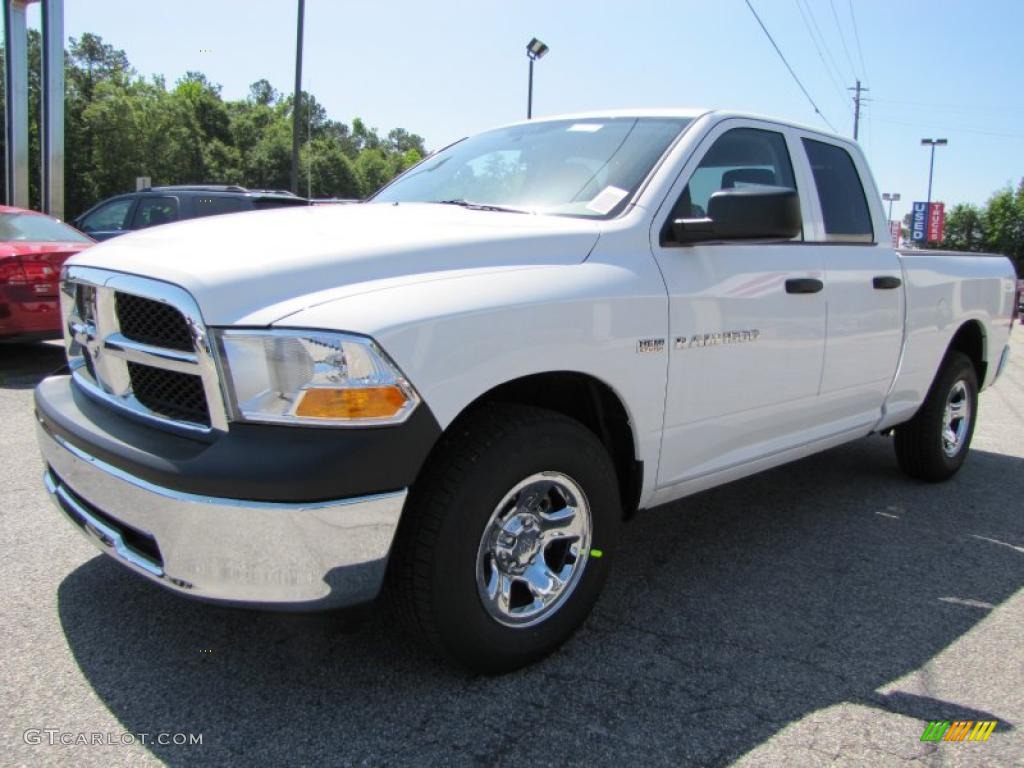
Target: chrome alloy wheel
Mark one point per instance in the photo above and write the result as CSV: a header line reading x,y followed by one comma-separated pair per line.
x,y
956,419
534,549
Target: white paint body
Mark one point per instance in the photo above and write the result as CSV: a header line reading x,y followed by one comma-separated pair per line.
x,y
465,300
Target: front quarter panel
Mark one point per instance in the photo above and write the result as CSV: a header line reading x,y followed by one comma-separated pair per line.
x,y
456,339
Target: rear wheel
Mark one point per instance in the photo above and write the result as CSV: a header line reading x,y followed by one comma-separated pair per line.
x,y
934,444
507,537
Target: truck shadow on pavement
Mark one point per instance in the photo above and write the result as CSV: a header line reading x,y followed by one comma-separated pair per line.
x,y
729,616
22,366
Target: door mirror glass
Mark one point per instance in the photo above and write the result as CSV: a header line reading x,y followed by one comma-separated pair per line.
x,y
744,213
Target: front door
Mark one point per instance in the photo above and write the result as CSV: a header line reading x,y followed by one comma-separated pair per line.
x,y
747,321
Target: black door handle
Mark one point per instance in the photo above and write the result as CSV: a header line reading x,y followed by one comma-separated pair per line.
x,y
803,285
886,282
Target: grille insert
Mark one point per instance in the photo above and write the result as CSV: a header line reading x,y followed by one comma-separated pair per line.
x,y
152,322
177,396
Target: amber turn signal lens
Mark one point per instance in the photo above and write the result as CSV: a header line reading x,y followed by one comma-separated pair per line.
x,y
362,403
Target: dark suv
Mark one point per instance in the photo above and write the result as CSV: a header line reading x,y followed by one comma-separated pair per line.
x,y
162,205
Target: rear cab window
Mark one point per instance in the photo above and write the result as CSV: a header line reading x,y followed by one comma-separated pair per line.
x,y
844,207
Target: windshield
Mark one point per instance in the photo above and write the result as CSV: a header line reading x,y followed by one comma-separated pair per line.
x,y
566,167
28,227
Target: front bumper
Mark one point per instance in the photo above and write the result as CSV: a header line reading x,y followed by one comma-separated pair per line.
x,y
271,517
289,556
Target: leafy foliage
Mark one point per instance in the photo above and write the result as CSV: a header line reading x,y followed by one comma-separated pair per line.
x,y
998,227
119,126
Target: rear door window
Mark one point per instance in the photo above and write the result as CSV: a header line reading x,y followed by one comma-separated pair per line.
x,y
840,192
155,210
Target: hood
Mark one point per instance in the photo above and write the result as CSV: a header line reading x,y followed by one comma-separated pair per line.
x,y
255,268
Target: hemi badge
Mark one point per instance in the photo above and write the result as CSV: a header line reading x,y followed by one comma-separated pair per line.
x,y
650,345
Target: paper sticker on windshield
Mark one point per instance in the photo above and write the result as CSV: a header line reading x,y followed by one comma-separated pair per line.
x,y
607,199
586,127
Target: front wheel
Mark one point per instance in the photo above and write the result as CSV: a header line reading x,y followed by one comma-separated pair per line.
x,y
507,537
934,444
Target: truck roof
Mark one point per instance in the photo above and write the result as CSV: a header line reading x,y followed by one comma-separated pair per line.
x,y
686,112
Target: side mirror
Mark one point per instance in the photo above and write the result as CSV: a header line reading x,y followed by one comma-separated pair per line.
x,y
745,213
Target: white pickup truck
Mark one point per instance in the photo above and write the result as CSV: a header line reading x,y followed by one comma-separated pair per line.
x,y
456,392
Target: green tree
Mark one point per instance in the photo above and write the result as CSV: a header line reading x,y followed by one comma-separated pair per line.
x,y
374,170
326,171
120,126
964,230
1004,224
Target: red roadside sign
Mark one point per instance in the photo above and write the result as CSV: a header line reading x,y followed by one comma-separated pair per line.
x,y
936,221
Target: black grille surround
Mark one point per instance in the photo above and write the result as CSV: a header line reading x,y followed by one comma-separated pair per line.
x,y
148,321
174,395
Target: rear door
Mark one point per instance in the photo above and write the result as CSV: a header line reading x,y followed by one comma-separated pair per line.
x,y
863,283
746,319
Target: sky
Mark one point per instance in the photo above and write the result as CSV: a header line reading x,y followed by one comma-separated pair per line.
x,y
449,68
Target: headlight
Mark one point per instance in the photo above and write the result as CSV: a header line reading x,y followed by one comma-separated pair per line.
x,y
313,377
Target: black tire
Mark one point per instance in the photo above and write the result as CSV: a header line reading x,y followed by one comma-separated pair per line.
x,y
433,580
920,448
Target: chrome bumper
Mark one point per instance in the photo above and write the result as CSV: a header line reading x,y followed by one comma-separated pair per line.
x,y
285,556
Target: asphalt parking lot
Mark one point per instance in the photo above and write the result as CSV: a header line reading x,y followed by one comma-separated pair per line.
x,y
820,613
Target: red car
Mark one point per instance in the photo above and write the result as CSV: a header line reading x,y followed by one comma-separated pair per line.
x,y
33,246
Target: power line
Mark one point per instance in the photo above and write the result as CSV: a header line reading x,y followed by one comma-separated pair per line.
x,y
860,51
828,71
824,43
842,39
952,129
961,107
797,79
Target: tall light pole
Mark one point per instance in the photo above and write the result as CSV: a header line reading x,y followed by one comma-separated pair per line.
x,y
297,98
891,197
535,49
933,143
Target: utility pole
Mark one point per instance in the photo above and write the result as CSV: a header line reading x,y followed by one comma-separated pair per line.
x,y
857,91
297,100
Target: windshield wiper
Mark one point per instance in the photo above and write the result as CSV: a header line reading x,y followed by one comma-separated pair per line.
x,y
480,206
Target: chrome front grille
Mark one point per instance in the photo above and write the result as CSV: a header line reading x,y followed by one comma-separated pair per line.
x,y
177,396
152,322
141,345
